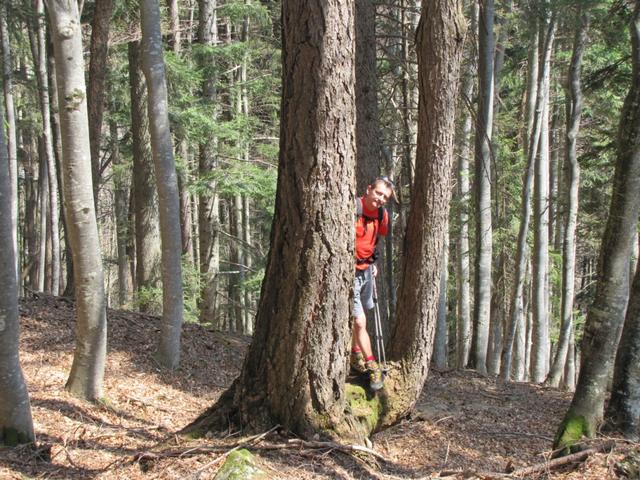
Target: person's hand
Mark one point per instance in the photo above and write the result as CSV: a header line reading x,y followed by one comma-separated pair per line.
x,y
374,269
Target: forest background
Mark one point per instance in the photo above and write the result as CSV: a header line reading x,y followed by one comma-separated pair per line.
x,y
514,300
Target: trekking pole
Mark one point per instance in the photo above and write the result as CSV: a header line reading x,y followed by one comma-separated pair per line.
x,y
378,328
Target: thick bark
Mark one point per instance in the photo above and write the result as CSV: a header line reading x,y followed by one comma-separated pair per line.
x,y
295,368
168,353
147,233
87,370
623,410
606,314
440,42
482,186
16,425
574,113
98,50
7,84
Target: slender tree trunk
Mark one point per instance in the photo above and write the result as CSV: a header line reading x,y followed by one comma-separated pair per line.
x,y
208,202
168,353
606,315
121,194
482,185
98,51
441,341
463,271
144,189
574,112
47,134
7,84
16,425
87,370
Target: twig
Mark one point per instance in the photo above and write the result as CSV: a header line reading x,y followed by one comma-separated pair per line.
x,y
558,462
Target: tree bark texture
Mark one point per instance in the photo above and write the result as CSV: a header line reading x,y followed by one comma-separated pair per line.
x,y
168,353
87,370
295,369
482,186
440,37
606,314
16,425
98,51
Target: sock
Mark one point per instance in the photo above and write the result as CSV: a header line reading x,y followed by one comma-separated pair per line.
x,y
370,358
355,350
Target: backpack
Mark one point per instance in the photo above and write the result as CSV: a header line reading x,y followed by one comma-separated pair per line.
x,y
359,213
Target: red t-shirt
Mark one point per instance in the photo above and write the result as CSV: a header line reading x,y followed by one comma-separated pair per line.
x,y
366,228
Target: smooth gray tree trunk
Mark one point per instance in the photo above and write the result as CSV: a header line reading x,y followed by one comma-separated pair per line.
x,y
16,424
168,353
572,168
87,370
482,186
7,84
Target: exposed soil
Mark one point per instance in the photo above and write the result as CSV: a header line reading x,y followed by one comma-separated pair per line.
x,y
465,426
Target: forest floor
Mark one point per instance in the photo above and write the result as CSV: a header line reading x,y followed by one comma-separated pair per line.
x,y
465,426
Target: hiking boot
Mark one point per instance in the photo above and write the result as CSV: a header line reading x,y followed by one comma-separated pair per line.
x,y
375,375
357,362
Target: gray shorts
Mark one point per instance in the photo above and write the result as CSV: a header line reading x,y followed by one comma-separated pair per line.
x,y
362,292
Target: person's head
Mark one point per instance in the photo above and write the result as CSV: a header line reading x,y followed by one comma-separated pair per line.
x,y
379,192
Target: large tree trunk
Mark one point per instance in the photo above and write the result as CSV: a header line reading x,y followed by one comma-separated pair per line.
x,y
168,353
147,233
623,410
574,112
296,365
16,425
606,315
87,370
482,184
99,49
440,42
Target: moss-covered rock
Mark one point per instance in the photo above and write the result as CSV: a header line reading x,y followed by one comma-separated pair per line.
x,y
240,465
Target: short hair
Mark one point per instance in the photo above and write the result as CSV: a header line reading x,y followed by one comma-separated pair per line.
x,y
387,183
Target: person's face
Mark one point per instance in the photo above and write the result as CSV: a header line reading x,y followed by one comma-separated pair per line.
x,y
377,195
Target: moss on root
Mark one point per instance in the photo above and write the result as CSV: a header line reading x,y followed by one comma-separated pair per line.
x,y
364,407
11,437
571,431
240,465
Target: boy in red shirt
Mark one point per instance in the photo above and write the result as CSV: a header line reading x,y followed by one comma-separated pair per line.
x,y
371,222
